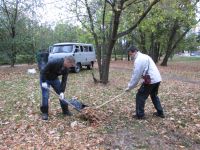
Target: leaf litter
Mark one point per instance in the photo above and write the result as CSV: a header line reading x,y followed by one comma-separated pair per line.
x,y
21,126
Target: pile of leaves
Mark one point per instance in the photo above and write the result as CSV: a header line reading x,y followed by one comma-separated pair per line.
x,y
94,116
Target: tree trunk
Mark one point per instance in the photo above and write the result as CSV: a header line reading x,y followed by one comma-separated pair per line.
x,y
115,54
165,60
157,52
170,42
13,55
106,62
143,41
151,49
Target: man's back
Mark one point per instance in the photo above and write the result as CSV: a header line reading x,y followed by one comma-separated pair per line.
x,y
151,67
53,69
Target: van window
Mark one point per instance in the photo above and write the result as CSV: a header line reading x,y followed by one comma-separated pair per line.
x,y
77,49
62,49
85,48
90,49
81,48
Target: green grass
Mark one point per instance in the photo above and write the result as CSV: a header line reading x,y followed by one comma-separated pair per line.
x,y
184,58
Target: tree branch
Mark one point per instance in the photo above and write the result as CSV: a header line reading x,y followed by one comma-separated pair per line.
x,y
110,2
139,20
133,2
182,36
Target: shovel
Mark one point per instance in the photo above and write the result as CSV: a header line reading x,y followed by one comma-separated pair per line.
x,y
65,101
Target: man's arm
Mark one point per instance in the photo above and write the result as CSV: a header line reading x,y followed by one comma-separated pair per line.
x,y
64,81
136,74
45,71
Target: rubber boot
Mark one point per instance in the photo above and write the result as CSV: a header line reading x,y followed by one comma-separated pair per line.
x,y
65,109
44,111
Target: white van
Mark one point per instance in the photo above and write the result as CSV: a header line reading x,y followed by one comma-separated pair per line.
x,y
84,54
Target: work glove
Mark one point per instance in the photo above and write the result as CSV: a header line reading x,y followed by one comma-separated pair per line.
x,y
44,85
127,89
61,96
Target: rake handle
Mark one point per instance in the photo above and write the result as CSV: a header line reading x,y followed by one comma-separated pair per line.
x,y
110,100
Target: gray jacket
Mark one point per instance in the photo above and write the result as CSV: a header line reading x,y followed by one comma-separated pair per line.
x,y
142,64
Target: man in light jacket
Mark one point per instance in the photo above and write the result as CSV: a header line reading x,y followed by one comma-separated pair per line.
x,y
143,64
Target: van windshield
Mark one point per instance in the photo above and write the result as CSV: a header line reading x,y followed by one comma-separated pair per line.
x,y
62,49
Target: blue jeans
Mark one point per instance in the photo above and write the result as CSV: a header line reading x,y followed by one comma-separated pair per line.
x,y
45,95
144,91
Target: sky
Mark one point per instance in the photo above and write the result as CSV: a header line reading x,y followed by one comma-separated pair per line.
x,y
54,11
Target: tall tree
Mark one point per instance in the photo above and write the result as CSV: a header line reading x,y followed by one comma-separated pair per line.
x,y
10,11
13,15
180,23
103,19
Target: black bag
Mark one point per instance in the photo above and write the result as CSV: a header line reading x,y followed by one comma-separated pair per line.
x,y
146,77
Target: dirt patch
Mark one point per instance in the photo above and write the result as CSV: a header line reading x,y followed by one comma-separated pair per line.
x,y
128,139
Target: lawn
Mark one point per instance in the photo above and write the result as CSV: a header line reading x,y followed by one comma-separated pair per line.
x,y
21,126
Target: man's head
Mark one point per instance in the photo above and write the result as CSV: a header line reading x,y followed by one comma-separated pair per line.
x,y
132,51
69,61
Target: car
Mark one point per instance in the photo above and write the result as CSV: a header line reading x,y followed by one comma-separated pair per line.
x,y
84,54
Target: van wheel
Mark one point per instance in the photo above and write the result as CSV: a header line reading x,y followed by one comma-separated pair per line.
x,y
77,68
90,66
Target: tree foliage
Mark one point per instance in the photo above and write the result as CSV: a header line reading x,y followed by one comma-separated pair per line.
x,y
111,25
103,19
14,21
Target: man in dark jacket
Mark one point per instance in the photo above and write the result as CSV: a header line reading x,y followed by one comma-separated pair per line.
x,y
49,77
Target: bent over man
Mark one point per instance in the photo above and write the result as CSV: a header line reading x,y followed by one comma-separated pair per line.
x,y
49,77
145,67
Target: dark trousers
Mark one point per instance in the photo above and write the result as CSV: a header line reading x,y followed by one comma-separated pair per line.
x,y
45,95
144,91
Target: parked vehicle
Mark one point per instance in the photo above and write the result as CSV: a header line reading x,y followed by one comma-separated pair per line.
x,y
84,54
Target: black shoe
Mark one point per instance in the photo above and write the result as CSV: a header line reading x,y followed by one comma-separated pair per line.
x,y
44,116
159,115
139,117
67,113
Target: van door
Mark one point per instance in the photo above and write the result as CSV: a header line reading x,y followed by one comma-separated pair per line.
x,y
85,54
91,54
77,54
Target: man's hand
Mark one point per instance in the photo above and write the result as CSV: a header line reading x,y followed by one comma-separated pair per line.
x,y
127,89
61,96
44,85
